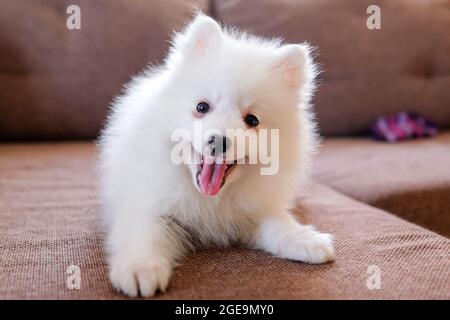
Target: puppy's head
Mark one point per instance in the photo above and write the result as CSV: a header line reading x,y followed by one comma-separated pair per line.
x,y
233,86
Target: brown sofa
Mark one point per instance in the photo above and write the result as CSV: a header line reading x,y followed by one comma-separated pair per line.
x,y
388,205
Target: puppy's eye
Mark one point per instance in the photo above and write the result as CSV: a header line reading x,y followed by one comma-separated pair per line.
x,y
251,120
203,107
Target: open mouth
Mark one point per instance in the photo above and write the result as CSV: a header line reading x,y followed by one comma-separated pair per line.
x,y
211,175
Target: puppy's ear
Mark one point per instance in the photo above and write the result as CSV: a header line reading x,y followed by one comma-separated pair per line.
x,y
295,61
201,34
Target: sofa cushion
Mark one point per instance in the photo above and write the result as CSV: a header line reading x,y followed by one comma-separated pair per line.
x,y
49,221
409,178
366,73
58,83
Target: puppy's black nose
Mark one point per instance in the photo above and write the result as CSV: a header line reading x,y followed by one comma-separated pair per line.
x,y
219,144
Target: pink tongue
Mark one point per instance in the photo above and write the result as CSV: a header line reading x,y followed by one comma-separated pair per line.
x,y
211,177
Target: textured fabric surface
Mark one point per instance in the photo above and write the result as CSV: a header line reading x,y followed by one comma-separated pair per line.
x,y
49,220
409,178
66,79
366,73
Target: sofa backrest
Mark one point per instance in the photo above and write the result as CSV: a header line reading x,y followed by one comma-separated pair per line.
x,y
57,83
405,65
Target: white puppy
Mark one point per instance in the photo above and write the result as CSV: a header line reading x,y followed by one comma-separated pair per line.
x,y
158,209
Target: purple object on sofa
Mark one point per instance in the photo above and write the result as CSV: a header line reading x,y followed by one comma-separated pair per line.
x,y
403,125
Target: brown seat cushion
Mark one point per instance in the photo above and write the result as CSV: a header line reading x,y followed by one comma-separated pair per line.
x,y
49,220
58,83
410,179
366,73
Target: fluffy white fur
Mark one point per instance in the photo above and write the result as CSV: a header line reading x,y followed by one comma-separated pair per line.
x,y
154,210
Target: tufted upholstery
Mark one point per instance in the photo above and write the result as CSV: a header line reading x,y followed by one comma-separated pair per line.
x,y
366,73
57,83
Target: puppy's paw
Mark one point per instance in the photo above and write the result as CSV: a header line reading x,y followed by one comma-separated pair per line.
x,y
139,277
308,245
315,248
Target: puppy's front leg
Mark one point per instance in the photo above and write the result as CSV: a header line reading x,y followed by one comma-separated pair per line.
x,y
142,255
285,237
